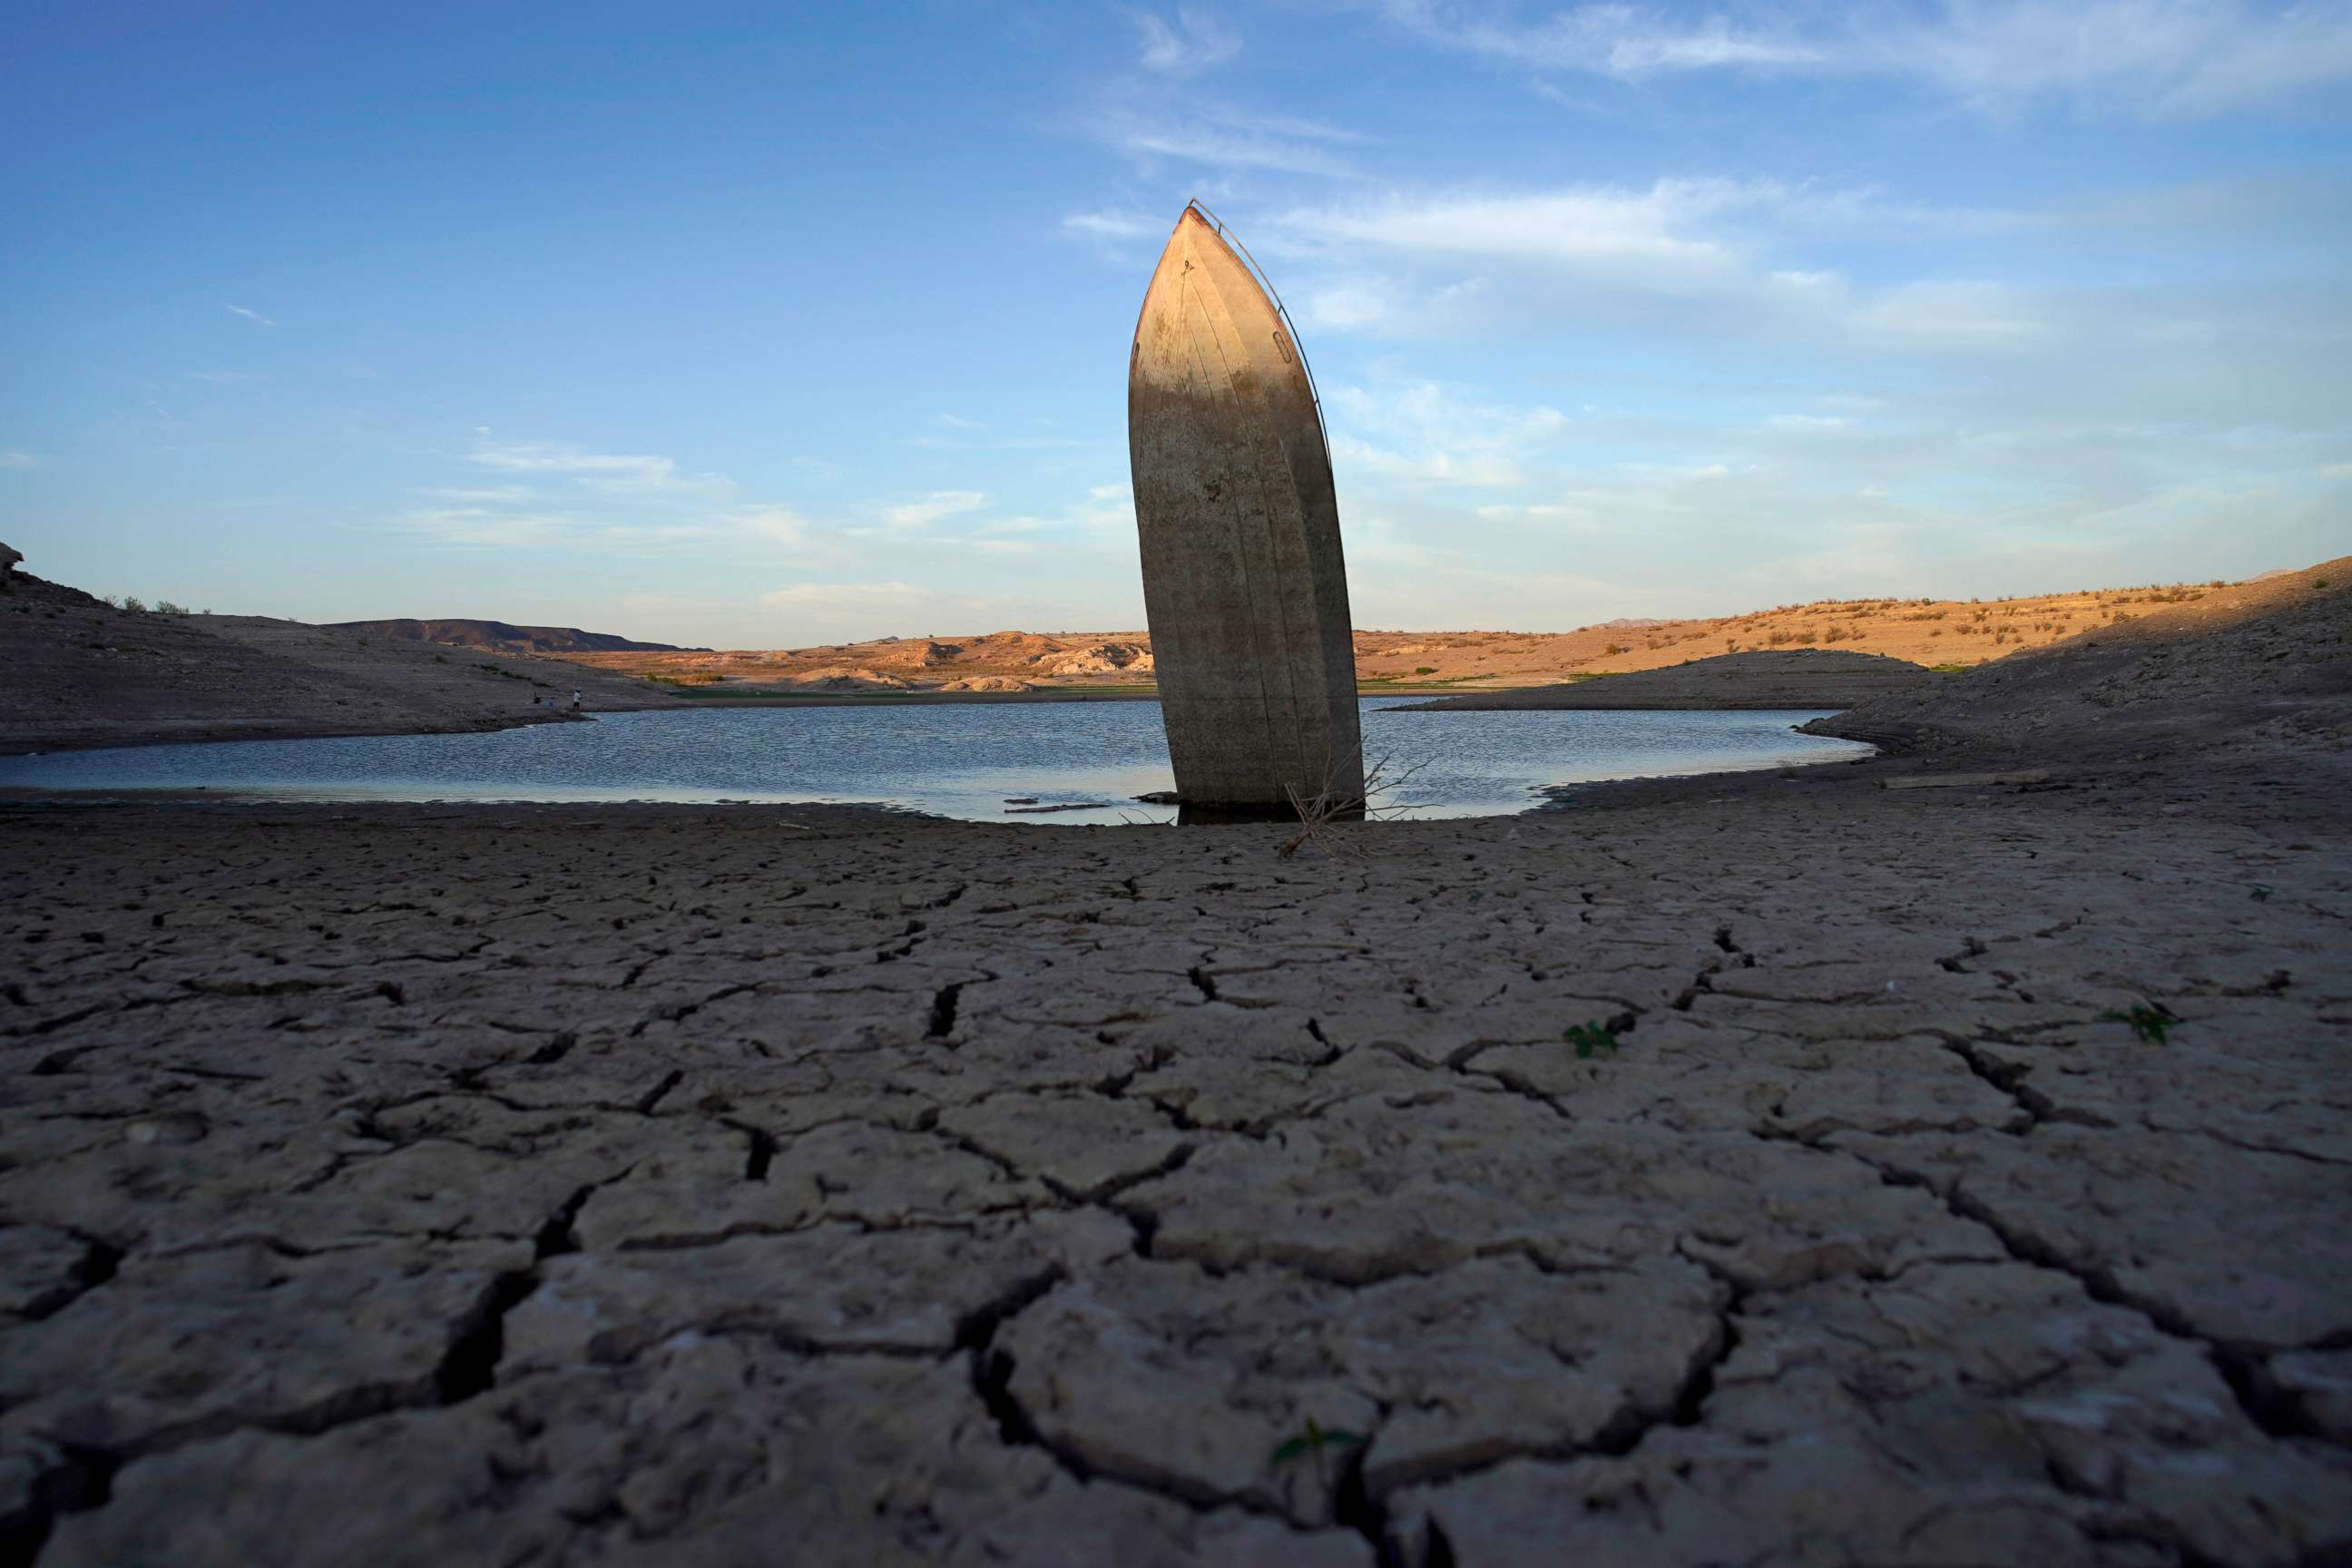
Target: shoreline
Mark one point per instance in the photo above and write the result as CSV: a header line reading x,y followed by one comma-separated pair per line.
x,y
1546,798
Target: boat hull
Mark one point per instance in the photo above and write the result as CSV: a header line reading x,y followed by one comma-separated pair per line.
x,y
1239,527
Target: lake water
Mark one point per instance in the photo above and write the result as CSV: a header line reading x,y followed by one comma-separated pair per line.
x,y
953,760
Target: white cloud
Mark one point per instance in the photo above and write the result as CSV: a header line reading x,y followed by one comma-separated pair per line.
x,y
249,315
933,507
1219,147
1429,434
606,471
2162,58
958,422
1111,226
781,523
1153,124
1684,257
19,460
1583,226
632,506
479,495
1955,315
1610,40
1192,42
223,377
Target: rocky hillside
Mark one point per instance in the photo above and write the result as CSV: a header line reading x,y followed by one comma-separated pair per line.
x,y
2262,663
82,672
995,661
500,636
1940,634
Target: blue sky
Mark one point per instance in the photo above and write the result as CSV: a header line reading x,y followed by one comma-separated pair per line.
x,y
763,325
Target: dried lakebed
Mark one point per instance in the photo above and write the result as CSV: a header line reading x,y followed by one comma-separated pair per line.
x,y
963,760
659,1185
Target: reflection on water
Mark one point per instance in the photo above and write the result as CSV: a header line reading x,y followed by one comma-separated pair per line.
x,y
951,760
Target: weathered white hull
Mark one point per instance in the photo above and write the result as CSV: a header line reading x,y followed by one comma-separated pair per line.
x,y
1243,576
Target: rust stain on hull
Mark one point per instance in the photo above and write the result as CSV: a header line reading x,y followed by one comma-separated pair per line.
x,y
1243,576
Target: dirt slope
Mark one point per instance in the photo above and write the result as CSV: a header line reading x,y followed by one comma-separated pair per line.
x,y
2256,664
1792,677
80,672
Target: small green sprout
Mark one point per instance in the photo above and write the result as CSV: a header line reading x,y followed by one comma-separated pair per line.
x,y
2149,1021
1590,1040
2262,893
1312,1441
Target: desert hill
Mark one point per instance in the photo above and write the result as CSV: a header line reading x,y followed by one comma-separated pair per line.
x,y
82,672
1944,633
1782,679
2248,667
502,636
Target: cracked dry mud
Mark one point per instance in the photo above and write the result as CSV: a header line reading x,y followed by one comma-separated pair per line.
x,y
555,1185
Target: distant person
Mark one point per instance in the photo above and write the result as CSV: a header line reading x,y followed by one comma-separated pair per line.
x,y
575,702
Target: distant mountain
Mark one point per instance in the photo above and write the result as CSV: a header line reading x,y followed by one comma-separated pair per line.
x,y
499,636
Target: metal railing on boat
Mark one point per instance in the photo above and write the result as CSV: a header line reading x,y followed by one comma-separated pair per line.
x,y
1314,394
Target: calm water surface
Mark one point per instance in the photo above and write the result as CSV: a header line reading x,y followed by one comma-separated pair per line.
x,y
951,760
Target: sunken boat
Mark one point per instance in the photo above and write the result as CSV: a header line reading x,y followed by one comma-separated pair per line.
x,y
1243,576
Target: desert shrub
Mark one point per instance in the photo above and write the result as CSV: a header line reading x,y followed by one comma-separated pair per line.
x,y
1614,649
1424,669
133,603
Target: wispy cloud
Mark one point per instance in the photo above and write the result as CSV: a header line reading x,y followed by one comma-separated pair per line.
x,y
1682,255
557,495
2162,58
1112,225
998,444
932,508
19,460
958,422
225,377
862,594
1153,125
1611,40
249,315
1426,433
1193,41
606,471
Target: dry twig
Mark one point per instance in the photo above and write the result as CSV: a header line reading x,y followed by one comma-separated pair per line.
x,y
1320,810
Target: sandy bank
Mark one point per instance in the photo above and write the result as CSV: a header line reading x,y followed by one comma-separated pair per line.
x,y
1788,678
2258,668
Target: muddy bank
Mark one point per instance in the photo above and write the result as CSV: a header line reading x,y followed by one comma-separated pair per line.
x,y
919,1191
